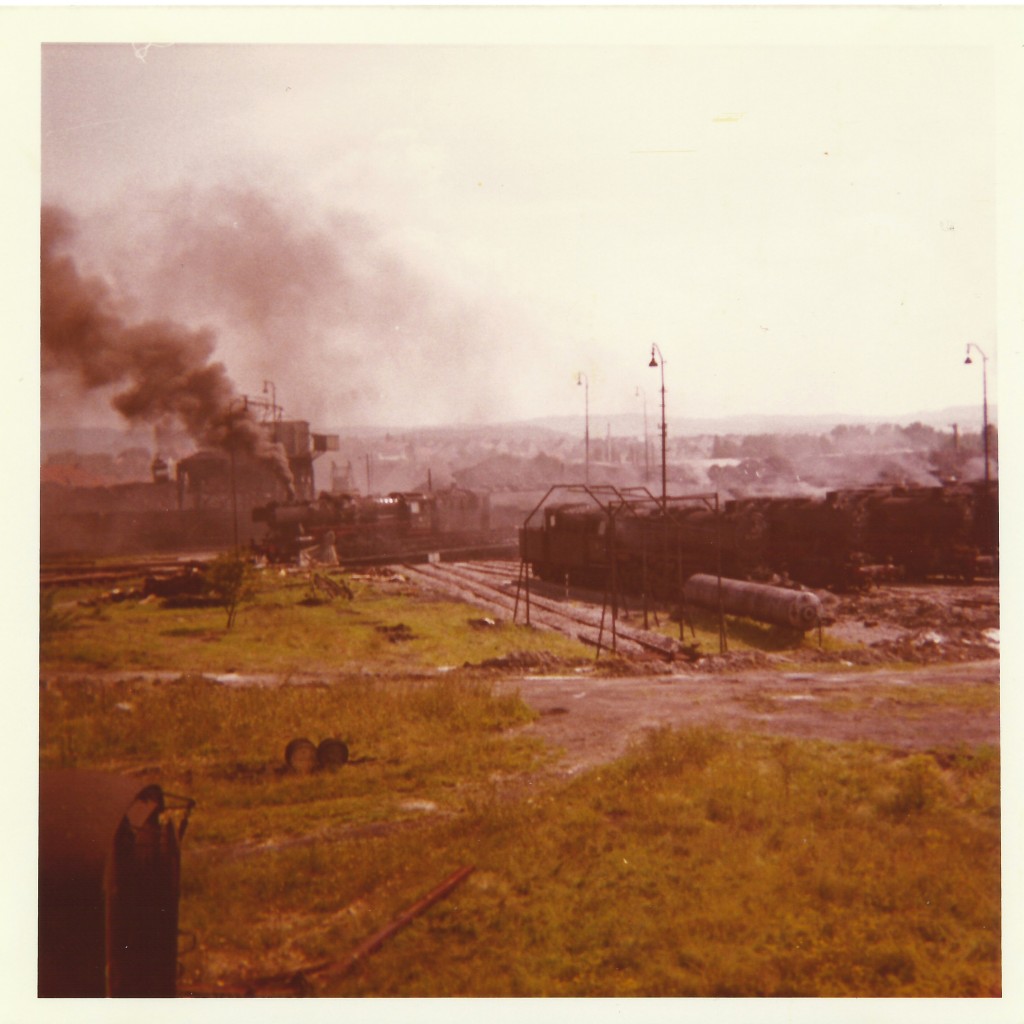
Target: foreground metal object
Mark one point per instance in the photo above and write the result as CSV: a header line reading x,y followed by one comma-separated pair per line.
x,y
303,756
300,756
775,605
109,866
375,941
297,982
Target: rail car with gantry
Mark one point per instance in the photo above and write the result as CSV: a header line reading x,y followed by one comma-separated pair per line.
x,y
632,541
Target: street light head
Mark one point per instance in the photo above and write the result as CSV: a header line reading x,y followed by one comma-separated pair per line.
x,y
968,361
653,362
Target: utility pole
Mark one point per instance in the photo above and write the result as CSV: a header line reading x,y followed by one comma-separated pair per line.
x,y
647,451
582,378
984,401
660,362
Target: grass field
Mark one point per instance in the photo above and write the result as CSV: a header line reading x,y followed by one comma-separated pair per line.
x,y
704,863
286,628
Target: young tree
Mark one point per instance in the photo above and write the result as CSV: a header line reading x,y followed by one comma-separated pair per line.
x,y
231,580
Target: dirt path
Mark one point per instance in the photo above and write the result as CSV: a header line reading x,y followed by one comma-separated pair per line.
x,y
948,633
594,720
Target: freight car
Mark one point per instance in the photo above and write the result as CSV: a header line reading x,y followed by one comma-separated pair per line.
x,y
840,540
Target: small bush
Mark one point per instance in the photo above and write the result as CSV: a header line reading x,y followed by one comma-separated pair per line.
x,y
232,581
915,788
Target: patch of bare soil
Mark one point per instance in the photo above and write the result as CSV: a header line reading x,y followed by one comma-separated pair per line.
x,y
593,720
944,694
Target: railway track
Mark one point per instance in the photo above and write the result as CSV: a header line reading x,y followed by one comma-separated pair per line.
x,y
55,574
71,574
493,586
490,585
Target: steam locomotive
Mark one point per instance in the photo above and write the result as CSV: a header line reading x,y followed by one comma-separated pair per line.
x,y
841,540
359,525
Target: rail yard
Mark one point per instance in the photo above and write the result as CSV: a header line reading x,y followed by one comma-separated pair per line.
x,y
261,689
424,665
523,520
910,670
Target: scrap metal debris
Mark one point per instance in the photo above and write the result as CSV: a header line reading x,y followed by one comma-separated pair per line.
x,y
303,757
297,982
332,753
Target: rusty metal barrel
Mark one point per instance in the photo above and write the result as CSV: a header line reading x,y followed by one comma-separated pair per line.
x,y
779,606
109,862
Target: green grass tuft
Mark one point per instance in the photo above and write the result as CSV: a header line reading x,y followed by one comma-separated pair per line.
x,y
279,631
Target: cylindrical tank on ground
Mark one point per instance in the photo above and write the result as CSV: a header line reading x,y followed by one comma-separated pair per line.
x,y
776,605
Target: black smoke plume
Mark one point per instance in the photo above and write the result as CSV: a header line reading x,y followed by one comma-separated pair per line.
x,y
356,320
162,371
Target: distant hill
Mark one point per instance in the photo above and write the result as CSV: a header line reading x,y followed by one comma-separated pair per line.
x,y
632,424
112,440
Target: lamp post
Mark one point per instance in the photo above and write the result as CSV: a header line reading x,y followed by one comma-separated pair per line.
x,y
640,393
582,378
984,399
660,362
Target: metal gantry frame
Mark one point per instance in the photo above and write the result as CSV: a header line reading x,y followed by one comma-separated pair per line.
x,y
617,503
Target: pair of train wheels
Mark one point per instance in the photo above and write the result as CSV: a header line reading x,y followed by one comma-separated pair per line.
x,y
303,756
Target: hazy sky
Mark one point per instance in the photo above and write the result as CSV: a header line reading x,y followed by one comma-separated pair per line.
x,y
421,234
